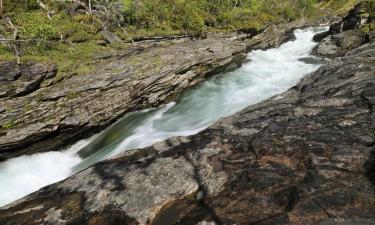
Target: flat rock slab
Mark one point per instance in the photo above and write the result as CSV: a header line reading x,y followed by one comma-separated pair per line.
x,y
306,156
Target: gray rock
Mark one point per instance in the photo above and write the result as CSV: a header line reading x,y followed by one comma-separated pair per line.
x,y
298,158
51,113
9,71
334,28
358,16
345,35
110,37
337,45
19,80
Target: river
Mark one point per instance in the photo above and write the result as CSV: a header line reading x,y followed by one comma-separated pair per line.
x,y
267,73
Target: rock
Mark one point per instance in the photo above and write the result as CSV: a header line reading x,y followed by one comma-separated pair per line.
x,y
313,60
353,221
337,45
75,7
9,71
335,28
110,37
346,35
101,42
19,80
358,16
301,157
58,112
319,37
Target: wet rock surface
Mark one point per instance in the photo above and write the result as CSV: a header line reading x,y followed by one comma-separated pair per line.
x,y
39,112
306,156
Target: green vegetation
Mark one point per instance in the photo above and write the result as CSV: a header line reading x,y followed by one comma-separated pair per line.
x,y
370,8
8,124
70,37
68,40
337,6
196,16
369,12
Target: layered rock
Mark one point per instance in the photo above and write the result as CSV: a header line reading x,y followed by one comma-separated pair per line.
x,y
42,114
306,156
19,80
346,34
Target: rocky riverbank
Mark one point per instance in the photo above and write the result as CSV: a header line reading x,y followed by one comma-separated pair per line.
x,y
40,111
306,156
349,33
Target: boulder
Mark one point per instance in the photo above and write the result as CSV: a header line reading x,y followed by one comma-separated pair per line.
x,y
110,37
358,16
337,45
334,28
347,34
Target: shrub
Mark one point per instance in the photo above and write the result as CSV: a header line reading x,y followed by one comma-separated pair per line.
x,y
35,25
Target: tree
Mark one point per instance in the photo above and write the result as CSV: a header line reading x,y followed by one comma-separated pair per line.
x,y
15,43
90,10
88,3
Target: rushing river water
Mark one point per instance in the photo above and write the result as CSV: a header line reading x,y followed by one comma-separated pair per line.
x,y
267,73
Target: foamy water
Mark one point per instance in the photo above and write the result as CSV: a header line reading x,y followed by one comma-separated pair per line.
x,y
268,73
26,174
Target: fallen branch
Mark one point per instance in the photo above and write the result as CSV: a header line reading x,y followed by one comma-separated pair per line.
x,y
17,40
49,16
126,33
44,7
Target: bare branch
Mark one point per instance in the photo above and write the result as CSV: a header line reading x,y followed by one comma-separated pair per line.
x,y
131,39
12,40
1,7
44,7
90,10
15,37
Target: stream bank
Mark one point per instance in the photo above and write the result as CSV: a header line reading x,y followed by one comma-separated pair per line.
x,y
267,72
305,156
39,112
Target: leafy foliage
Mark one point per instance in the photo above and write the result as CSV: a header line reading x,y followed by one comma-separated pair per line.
x,y
36,26
198,15
193,17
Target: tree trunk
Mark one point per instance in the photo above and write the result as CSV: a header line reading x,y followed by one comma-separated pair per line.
x,y
15,37
90,11
1,8
88,4
44,7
